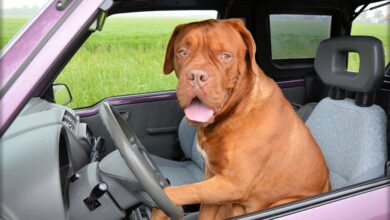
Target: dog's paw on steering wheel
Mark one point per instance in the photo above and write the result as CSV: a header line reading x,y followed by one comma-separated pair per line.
x,y
158,214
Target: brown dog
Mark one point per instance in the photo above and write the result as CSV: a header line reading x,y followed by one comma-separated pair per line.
x,y
258,153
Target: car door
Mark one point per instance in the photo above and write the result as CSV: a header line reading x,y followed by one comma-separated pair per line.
x,y
367,200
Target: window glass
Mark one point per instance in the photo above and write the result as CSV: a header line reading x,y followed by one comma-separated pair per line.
x,y
15,14
126,57
297,36
376,23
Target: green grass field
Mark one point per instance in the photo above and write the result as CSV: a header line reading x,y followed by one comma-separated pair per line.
x,y
9,27
283,31
127,56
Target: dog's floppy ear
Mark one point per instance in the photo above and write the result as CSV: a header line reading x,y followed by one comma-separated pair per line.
x,y
169,55
239,25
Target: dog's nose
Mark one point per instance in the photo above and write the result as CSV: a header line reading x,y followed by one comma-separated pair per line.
x,y
198,77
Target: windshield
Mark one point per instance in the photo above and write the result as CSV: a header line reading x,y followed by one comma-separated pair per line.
x,y
15,15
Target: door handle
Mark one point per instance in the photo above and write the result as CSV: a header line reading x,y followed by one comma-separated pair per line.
x,y
161,130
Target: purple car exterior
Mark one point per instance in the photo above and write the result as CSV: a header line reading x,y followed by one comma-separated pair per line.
x,y
28,57
372,205
26,61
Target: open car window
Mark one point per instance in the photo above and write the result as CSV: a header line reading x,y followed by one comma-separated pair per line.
x,y
373,21
296,36
126,57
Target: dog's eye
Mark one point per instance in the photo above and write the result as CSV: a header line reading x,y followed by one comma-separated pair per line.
x,y
225,56
182,52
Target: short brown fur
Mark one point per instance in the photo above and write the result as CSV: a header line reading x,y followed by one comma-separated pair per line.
x,y
259,152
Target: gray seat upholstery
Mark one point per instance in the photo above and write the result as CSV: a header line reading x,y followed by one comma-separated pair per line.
x,y
351,133
183,172
305,111
179,172
352,139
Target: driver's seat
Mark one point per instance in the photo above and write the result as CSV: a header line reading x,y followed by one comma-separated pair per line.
x,y
183,172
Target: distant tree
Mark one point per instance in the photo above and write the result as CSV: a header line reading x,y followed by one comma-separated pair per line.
x,y
363,17
379,14
23,11
387,17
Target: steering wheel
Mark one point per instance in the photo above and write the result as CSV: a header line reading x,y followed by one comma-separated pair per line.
x,y
138,160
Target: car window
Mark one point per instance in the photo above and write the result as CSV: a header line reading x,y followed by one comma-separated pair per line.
x,y
126,57
297,36
371,22
16,14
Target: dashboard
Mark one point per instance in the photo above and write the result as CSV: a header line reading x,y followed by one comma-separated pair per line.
x,y
51,168
40,152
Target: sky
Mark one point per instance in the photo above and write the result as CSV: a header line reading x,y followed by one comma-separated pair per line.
x,y
20,3
6,4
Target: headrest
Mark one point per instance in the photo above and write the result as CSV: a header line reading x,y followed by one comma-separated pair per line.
x,y
331,65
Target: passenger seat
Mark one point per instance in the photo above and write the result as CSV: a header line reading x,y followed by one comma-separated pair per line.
x,y
350,132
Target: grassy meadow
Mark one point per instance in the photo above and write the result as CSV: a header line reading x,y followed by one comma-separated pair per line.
x,y
127,56
284,30
9,27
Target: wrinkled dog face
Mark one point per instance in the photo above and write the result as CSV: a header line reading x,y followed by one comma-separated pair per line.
x,y
209,58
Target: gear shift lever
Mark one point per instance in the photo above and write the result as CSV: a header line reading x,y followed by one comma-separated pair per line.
x,y
92,201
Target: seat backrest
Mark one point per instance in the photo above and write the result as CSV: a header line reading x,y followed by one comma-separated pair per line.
x,y
351,133
352,139
188,141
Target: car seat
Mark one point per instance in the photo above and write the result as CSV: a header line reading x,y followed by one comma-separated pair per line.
x,y
350,132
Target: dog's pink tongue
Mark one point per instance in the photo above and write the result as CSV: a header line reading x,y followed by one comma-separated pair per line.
x,y
196,111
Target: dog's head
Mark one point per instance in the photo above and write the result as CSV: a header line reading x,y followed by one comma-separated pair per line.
x,y
214,61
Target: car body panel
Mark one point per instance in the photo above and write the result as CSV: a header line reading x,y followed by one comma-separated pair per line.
x,y
126,100
26,79
18,50
372,205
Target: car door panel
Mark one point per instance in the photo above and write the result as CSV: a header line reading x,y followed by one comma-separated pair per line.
x,y
295,95
155,123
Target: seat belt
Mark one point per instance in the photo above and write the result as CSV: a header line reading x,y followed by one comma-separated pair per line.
x,y
386,88
387,166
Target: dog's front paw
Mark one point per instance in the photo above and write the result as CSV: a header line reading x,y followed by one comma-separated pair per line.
x,y
158,214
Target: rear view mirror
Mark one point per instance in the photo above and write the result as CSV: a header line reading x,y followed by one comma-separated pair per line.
x,y
62,95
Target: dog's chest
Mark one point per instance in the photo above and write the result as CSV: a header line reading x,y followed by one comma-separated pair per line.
x,y
202,152
213,155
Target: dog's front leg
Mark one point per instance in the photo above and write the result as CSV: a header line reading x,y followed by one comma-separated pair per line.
x,y
216,190
213,191
158,214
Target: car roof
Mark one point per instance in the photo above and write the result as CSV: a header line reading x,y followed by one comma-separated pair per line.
x,y
122,6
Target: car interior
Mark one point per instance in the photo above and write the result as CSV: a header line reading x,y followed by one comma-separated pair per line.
x,y
110,160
